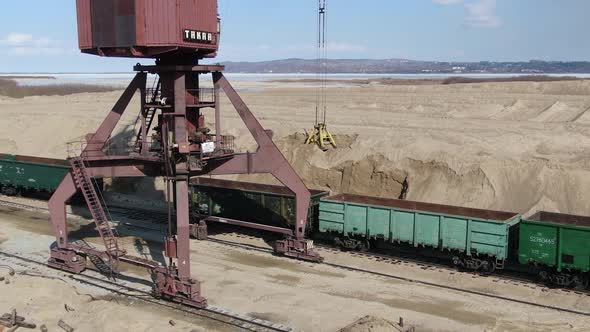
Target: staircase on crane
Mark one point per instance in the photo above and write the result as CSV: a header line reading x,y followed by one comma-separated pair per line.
x,y
150,112
84,183
150,109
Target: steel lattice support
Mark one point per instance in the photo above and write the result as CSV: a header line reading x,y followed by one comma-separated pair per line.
x,y
180,133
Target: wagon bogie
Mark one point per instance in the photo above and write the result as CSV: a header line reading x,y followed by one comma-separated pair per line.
x,y
564,278
557,245
352,243
485,264
9,190
478,239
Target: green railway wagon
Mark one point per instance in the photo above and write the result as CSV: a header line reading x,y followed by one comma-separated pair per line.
x,y
20,174
558,245
250,202
473,238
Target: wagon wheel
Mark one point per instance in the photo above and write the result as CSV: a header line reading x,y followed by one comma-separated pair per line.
x,y
545,278
10,191
543,275
338,243
580,282
364,246
488,267
458,264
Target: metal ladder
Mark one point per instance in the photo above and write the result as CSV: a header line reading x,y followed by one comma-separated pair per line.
x,y
149,118
150,112
83,181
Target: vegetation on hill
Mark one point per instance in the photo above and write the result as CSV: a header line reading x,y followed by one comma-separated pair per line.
x,y
10,88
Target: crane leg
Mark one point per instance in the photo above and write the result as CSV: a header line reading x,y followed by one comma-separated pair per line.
x,y
269,159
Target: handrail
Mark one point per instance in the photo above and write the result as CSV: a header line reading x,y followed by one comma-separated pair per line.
x,y
201,96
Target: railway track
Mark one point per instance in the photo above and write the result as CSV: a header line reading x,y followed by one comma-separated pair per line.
x,y
147,215
427,264
412,280
214,313
422,261
21,206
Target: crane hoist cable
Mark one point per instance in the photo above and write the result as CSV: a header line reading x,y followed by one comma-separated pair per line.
x,y
320,134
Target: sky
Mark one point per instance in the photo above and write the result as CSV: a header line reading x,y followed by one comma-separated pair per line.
x,y
41,35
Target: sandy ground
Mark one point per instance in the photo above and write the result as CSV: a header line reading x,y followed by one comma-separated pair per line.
x,y
514,146
306,296
519,146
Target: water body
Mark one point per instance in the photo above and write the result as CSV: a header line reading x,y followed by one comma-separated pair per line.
x,y
122,79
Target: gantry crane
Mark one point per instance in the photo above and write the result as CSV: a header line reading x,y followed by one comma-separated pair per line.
x,y
177,34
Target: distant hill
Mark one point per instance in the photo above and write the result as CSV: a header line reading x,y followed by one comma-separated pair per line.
x,y
403,66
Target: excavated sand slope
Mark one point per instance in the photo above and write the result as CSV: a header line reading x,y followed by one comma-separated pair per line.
x,y
518,146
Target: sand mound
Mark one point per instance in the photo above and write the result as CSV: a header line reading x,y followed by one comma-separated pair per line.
x,y
583,117
509,146
374,324
360,167
41,300
8,146
557,112
521,110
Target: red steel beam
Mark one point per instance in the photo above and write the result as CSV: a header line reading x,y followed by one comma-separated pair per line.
x,y
110,122
267,158
235,222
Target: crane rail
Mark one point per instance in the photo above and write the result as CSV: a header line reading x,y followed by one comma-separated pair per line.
x,y
214,313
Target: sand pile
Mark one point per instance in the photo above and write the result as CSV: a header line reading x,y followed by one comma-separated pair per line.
x,y
45,299
523,186
558,112
517,146
374,324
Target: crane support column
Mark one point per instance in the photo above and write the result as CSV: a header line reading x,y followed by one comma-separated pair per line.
x,y
269,159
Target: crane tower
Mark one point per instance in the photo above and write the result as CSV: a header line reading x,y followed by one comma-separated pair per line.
x,y
173,140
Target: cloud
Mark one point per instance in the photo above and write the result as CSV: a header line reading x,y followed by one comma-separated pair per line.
x,y
25,44
482,14
16,38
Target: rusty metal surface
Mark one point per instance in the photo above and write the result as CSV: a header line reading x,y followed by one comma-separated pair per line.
x,y
84,23
183,230
234,222
267,159
171,31
113,23
57,209
138,261
110,122
66,260
253,187
426,207
297,248
146,28
40,160
155,16
560,218
200,15
203,69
